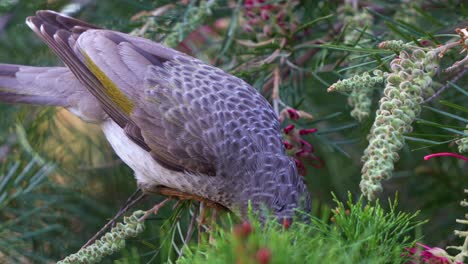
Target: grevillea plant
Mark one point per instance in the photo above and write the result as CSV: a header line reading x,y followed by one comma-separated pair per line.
x,y
407,83
410,78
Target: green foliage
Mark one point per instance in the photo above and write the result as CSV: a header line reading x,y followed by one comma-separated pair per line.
x,y
358,234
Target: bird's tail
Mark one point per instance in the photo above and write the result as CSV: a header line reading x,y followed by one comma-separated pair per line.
x,y
33,85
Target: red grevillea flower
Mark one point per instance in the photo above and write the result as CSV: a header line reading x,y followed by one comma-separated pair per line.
x,y
288,129
306,146
446,154
267,18
428,255
287,145
243,230
301,169
263,256
286,223
295,145
300,148
293,114
307,131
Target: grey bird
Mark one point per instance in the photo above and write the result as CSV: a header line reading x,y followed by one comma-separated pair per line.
x,y
184,127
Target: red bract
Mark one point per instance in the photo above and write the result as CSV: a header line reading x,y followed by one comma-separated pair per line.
x,y
306,146
269,18
248,3
264,14
263,256
302,153
307,131
428,255
294,143
286,223
301,169
267,7
288,129
287,145
293,114
243,230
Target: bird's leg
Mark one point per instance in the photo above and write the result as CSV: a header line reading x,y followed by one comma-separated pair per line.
x,y
190,228
155,209
214,216
131,201
201,220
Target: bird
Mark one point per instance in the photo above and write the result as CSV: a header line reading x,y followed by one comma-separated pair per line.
x,y
187,129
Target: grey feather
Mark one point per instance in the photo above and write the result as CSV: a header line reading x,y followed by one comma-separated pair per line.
x,y
54,86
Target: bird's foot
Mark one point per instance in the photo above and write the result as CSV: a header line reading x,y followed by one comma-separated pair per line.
x,y
131,201
154,210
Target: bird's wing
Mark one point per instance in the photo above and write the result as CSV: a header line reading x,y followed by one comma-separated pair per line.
x,y
203,117
114,66
186,113
61,33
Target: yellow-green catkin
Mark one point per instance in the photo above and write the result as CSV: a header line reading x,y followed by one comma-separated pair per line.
x,y
463,142
357,25
408,13
463,249
410,77
109,243
361,87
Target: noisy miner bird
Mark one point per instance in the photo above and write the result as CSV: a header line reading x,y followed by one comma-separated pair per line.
x,y
186,128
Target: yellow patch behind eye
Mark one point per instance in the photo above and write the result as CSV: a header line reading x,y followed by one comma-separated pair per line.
x,y
111,89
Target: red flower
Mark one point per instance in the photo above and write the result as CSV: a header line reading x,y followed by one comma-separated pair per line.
x,y
307,131
263,256
306,146
286,223
425,42
447,154
264,14
429,255
243,230
288,129
301,169
287,145
293,114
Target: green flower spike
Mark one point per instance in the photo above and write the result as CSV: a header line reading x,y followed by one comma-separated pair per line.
x,y
395,45
109,243
463,249
463,142
361,88
410,78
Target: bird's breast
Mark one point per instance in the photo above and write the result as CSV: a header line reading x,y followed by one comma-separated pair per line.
x,y
149,173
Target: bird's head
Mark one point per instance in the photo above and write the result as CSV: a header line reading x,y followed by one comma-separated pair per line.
x,y
271,184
